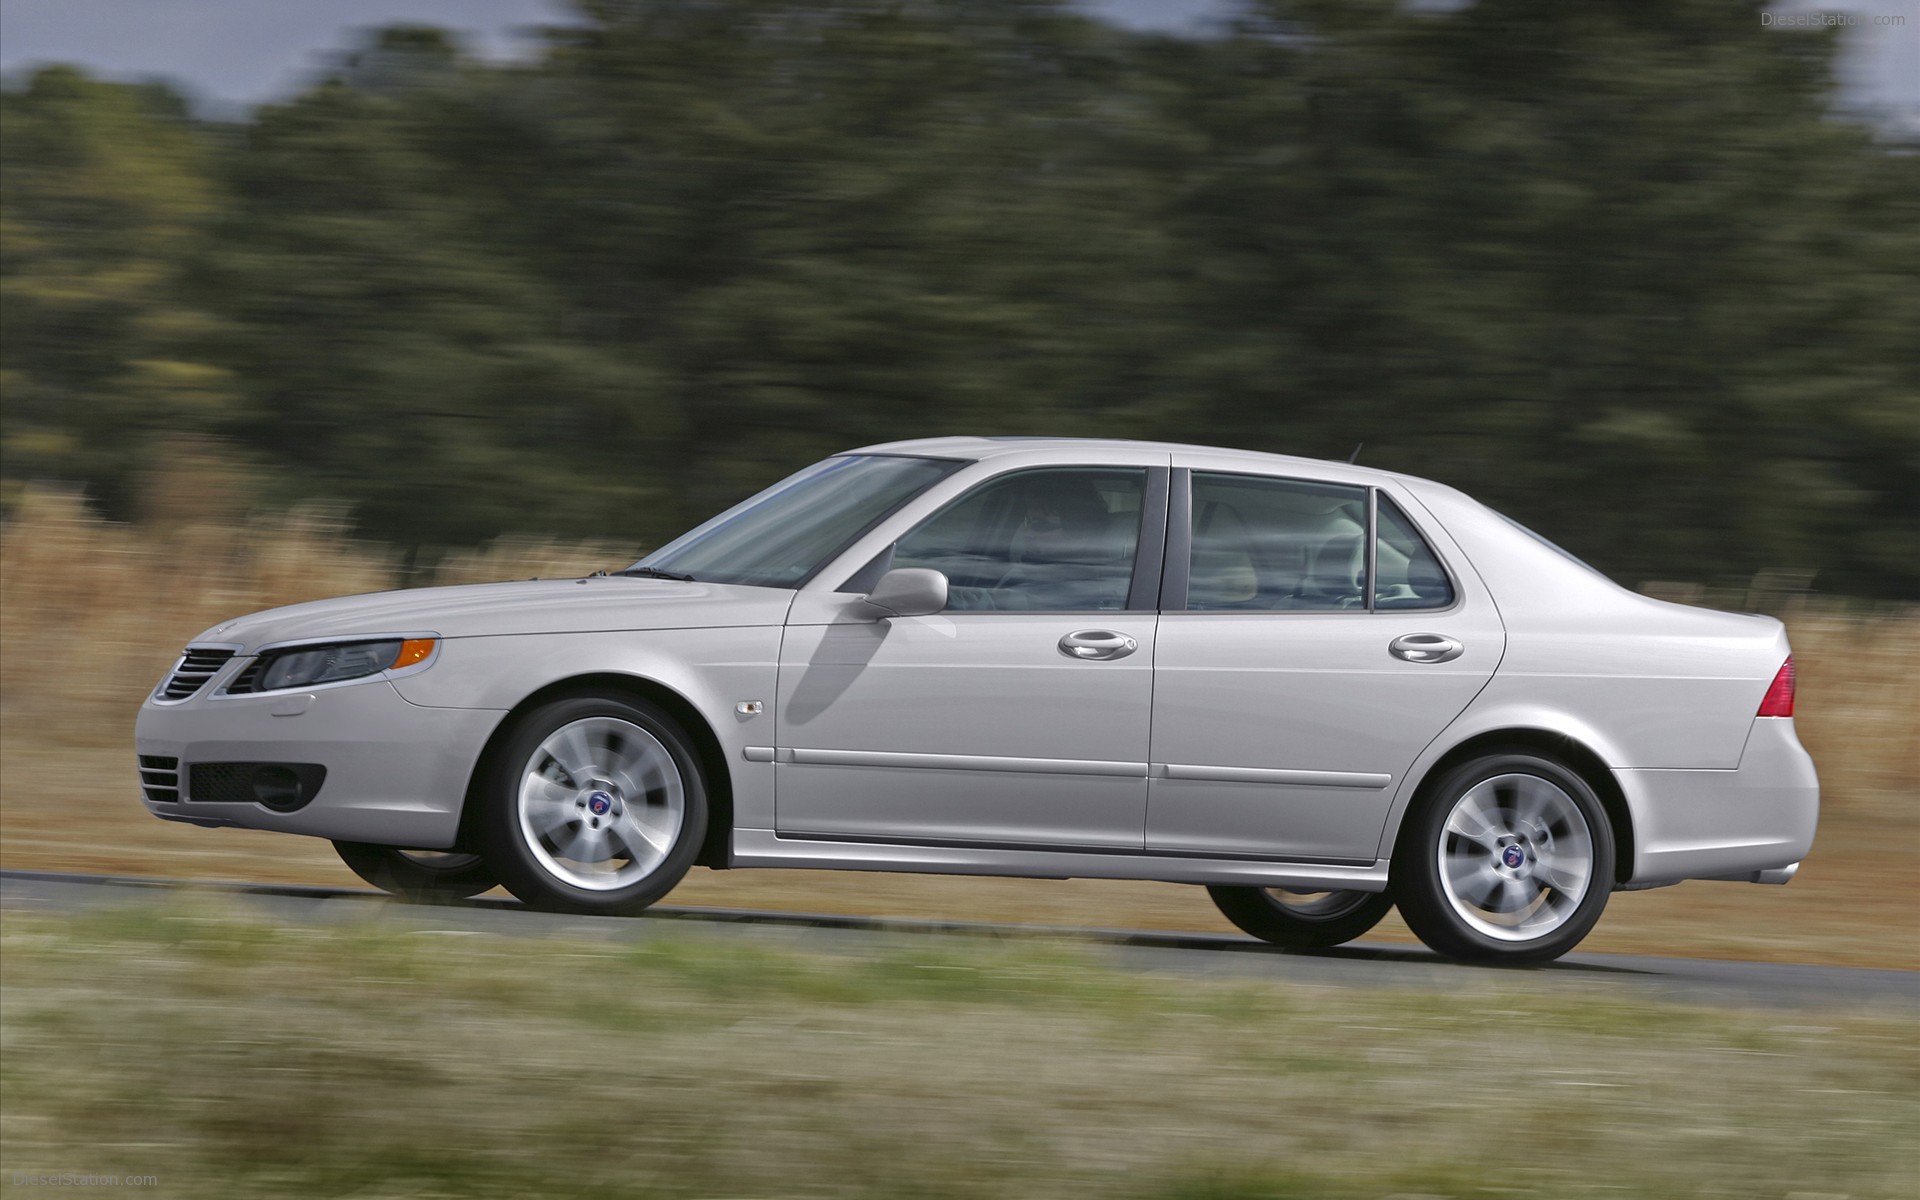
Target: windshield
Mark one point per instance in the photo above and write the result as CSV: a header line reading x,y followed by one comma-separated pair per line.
x,y
782,536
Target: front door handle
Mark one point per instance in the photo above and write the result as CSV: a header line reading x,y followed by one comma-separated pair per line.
x,y
1425,648
1097,645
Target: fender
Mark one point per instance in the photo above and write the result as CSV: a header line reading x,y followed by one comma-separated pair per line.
x,y
1496,717
714,670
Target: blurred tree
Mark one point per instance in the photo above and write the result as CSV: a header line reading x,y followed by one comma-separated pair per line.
x,y
106,196
1619,274
397,350
851,222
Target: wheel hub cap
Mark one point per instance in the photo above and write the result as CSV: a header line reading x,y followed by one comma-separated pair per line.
x,y
601,803
1516,857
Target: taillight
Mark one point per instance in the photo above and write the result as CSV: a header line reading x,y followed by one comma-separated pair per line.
x,y
1779,701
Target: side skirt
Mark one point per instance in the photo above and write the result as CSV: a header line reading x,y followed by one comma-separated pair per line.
x,y
765,848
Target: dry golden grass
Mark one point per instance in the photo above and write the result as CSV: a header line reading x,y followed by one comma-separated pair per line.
x,y
92,613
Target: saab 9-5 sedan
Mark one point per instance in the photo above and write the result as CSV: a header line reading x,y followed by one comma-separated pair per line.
x,y
1317,689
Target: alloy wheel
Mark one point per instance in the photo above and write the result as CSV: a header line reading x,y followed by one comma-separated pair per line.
x,y
1515,857
601,803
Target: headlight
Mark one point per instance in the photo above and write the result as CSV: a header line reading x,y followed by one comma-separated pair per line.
x,y
304,666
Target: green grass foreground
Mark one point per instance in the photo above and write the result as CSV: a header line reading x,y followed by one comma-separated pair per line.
x,y
231,1056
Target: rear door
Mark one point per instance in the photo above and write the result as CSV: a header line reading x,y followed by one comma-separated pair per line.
x,y
1313,642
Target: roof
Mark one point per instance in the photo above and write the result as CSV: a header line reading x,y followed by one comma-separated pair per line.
x,y
999,447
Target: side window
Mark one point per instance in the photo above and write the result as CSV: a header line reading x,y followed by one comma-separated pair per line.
x,y
1410,575
1057,540
1265,545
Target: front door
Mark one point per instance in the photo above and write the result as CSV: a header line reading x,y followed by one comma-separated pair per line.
x,y
1303,663
1020,715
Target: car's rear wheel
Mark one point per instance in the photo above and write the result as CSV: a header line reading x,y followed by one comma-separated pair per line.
x,y
424,875
1301,919
593,804
1508,859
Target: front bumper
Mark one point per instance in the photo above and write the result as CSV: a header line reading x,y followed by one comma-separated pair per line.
x,y
1754,823
397,773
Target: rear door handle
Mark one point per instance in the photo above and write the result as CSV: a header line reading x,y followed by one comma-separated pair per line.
x,y
1425,648
1097,645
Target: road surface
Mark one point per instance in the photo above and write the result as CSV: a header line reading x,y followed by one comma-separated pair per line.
x,y
1362,964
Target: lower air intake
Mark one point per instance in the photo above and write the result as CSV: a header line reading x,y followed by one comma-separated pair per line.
x,y
160,778
282,787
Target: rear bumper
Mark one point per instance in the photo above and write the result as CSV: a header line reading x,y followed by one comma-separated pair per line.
x,y
1754,823
397,773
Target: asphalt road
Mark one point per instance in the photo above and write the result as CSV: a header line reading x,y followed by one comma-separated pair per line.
x,y
1361,964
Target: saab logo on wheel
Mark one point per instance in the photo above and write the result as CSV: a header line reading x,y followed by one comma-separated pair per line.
x,y
599,803
1513,856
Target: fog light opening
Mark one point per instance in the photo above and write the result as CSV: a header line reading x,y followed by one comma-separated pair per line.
x,y
280,788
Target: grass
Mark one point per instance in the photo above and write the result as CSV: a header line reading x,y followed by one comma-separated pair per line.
x,y
92,613
231,1056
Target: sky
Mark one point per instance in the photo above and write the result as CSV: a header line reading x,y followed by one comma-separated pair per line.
x,y
266,49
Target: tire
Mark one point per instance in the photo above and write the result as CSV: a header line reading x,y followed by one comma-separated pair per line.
x,y
1301,920
592,804
1507,859
427,876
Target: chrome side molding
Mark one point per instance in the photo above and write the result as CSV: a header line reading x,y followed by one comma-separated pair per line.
x,y
804,756
1342,779
765,848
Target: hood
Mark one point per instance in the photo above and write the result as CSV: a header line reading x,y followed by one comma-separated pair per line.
x,y
600,603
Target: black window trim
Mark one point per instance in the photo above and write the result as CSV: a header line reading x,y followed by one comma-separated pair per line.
x,y
1433,548
1149,555
1373,548
1178,551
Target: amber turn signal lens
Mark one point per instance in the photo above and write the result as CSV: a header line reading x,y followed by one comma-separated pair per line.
x,y
413,650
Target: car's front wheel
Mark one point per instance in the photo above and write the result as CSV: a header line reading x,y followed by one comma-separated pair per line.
x,y
1301,919
1508,858
422,875
593,804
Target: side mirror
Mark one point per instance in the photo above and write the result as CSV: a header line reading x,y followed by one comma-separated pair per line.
x,y
909,592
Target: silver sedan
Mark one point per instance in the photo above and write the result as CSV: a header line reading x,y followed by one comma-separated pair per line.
x,y
1316,689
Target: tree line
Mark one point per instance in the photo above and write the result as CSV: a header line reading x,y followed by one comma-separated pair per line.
x,y
1621,276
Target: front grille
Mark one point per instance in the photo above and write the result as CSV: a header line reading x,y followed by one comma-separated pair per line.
x,y
160,778
222,783
193,672
249,676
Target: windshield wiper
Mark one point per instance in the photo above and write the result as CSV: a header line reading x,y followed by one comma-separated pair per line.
x,y
656,573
